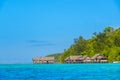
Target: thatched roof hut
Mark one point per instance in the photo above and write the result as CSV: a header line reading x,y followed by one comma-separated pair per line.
x,y
43,60
95,56
99,58
47,58
74,59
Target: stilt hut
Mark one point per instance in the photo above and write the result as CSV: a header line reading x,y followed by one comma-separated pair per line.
x,y
44,60
74,59
98,58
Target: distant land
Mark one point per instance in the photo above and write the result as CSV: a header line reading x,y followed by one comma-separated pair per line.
x,y
106,43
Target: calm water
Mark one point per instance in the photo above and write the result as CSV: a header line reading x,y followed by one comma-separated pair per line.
x,y
60,72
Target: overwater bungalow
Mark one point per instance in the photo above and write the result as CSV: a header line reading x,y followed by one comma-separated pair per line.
x,y
44,60
78,59
74,59
98,58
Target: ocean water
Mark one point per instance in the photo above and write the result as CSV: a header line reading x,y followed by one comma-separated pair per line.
x,y
59,71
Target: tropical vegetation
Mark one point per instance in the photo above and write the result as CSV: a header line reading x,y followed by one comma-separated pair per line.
x,y
106,43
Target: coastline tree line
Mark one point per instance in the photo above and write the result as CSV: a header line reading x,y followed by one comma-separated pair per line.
x,y
106,43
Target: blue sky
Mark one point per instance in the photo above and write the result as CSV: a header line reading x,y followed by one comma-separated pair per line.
x,y
34,28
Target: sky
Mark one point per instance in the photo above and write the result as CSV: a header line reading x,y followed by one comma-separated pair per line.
x,y
35,28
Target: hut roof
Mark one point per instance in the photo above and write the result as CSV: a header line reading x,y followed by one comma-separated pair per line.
x,y
47,58
87,58
101,57
44,58
98,56
74,57
95,56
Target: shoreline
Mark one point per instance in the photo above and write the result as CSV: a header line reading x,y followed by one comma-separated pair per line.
x,y
55,63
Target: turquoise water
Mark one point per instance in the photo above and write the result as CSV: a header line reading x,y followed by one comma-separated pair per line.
x,y
60,72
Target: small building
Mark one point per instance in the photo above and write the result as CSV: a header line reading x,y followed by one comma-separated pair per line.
x,y
98,58
74,59
44,60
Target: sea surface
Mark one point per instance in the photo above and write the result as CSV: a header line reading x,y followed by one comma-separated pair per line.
x,y
60,71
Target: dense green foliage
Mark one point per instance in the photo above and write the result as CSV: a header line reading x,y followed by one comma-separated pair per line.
x,y
57,56
106,43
